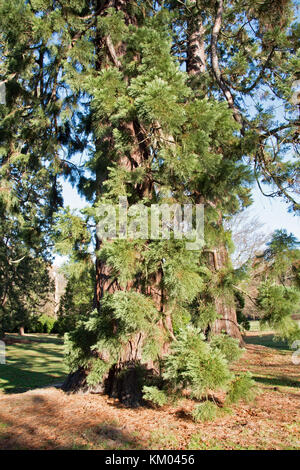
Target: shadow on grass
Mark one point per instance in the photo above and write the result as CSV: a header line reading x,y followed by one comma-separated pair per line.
x,y
47,429
277,381
36,338
31,366
267,340
16,380
24,353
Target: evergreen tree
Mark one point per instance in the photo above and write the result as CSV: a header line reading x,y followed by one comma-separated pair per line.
x,y
272,285
161,136
279,293
237,51
29,163
75,303
155,142
155,132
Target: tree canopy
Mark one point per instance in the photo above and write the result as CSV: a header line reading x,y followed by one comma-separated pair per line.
x,y
166,102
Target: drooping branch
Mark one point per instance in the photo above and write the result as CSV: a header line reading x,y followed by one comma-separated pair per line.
x,y
253,300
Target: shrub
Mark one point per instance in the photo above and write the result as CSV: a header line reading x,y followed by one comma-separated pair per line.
x,y
47,322
35,325
206,411
65,324
42,324
228,346
278,303
242,388
193,364
155,396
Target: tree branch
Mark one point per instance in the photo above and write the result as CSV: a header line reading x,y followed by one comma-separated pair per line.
x,y
215,63
112,52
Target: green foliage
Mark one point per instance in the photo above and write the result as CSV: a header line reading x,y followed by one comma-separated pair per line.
x,y
194,364
155,396
278,303
242,388
181,317
26,287
47,323
281,255
206,411
133,311
71,232
76,301
240,304
281,242
204,314
106,83
228,346
98,368
41,324
30,191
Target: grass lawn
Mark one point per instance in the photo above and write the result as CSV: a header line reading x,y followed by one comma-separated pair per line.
x,y
32,365
40,362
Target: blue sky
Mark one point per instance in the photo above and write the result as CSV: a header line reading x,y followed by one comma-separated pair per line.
x,y
273,212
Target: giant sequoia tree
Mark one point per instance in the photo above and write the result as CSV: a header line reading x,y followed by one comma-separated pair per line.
x,y
171,102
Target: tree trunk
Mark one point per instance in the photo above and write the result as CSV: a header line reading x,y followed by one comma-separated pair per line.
x,y
218,259
21,331
124,378
225,306
196,58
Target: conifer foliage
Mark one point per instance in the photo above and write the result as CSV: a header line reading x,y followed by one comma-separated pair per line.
x,y
152,94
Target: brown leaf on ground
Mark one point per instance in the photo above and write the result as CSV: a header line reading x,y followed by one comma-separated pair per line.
x,y
51,419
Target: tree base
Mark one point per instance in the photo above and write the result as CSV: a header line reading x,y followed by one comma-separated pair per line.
x,y
76,383
124,382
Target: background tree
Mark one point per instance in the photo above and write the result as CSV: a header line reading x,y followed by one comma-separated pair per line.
x,y
75,303
279,293
271,291
233,50
30,137
248,237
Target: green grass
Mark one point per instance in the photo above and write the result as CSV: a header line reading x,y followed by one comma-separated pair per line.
x,y
267,340
32,365
162,439
254,325
40,362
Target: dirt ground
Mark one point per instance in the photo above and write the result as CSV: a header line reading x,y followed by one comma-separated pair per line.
x,y
50,419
